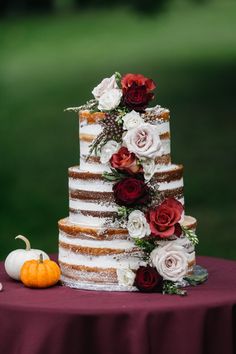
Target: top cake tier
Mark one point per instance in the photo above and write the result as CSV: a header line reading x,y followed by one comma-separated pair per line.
x,y
90,126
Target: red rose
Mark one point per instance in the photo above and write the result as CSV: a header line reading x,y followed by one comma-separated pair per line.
x,y
163,220
130,191
147,279
125,161
137,91
137,98
139,80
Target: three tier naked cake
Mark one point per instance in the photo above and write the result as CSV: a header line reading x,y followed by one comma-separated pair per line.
x,y
127,229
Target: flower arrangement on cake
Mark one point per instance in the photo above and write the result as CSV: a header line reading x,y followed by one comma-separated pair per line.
x,y
143,195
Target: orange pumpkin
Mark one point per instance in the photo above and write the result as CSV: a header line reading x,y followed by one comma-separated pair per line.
x,y
40,273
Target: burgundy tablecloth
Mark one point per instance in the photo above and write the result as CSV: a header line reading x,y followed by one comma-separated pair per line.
x,y
61,320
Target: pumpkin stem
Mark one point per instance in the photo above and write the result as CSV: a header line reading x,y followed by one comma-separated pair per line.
x,y
41,258
27,243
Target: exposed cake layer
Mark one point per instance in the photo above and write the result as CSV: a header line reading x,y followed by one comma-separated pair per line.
x,y
90,129
156,113
71,230
90,257
74,279
91,198
93,164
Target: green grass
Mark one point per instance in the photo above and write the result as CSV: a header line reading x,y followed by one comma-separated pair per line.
x,y
49,63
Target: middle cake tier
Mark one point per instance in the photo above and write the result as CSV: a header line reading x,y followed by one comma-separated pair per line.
x,y
91,198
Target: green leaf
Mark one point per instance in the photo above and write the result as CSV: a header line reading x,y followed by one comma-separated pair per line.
x,y
114,175
110,177
170,288
119,120
147,245
190,234
118,76
198,276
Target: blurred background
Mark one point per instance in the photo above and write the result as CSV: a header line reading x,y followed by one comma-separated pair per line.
x,y
52,54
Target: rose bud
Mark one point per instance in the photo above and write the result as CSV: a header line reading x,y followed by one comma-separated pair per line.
x,y
125,161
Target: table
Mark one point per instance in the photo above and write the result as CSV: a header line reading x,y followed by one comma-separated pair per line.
x,y
61,320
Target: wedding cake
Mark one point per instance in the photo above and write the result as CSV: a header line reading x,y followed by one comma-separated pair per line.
x,y
127,229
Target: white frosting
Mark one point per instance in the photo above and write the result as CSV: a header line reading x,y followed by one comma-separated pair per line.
x,y
112,244
85,148
157,109
94,206
163,168
93,167
181,241
186,243
171,185
95,129
97,222
94,286
97,185
90,185
167,168
164,127
107,261
101,186
166,146
86,220
91,129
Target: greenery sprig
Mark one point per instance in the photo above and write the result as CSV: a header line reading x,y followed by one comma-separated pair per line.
x,y
170,288
90,105
146,245
121,112
113,176
97,144
123,215
123,212
118,76
190,234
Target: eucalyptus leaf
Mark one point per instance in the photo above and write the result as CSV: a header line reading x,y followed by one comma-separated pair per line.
x,y
198,276
110,177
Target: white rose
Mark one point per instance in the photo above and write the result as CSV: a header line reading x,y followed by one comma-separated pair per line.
x,y
171,261
125,277
132,120
144,141
108,150
149,168
110,100
137,225
107,84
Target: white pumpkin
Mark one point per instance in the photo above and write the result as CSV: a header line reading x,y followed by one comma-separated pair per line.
x,y
17,258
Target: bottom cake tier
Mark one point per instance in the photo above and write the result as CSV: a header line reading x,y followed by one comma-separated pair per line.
x,y
91,258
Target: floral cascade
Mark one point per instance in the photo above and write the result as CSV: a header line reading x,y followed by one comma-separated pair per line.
x,y
129,144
